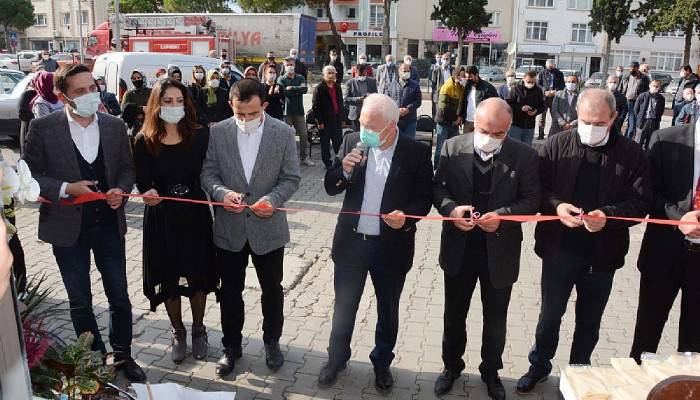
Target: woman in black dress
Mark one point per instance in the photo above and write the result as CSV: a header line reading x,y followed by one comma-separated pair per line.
x,y
178,249
215,99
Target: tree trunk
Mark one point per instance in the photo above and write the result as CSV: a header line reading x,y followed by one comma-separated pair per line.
x,y
460,43
688,41
386,30
7,37
606,54
336,35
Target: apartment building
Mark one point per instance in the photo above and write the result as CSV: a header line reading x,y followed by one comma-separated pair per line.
x,y
57,23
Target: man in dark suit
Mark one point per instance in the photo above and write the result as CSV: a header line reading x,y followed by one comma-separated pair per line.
x,y
73,153
550,80
327,104
587,175
670,256
392,177
489,173
359,88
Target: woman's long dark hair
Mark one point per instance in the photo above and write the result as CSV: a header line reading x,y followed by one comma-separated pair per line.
x,y
154,128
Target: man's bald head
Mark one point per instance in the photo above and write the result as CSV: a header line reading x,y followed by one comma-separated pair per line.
x,y
493,117
596,107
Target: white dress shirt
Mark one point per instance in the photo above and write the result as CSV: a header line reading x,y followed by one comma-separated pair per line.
x,y
87,140
471,104
696,168
378,166
248,146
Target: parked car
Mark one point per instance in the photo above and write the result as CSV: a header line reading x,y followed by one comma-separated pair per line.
x,y
663,77
9,61
596,80
672,87
492,74
14,85
521,70
62,59
26,60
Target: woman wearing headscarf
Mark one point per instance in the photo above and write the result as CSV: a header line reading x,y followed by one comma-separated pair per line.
x,y
109,100
250,72
216,106
45,102
174,73
134,102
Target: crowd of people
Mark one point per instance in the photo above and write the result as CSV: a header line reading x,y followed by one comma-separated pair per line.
x,y
233,142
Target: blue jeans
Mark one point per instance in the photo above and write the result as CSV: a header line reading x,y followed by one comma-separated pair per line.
x,y
349,283
631,120
108,249
522,134
444,132
559,276
408,128
331,133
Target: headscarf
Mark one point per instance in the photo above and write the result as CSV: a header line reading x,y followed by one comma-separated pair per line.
x,y
211,92
173,69
250,68
43,83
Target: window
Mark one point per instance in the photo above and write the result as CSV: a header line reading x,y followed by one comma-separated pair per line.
x,y
440,24
495,19
623,57
630,29
65,19
677,34
540,3
536,30
84,18
39,19
320,13
581,33
352,13
665,61
376,16
580,4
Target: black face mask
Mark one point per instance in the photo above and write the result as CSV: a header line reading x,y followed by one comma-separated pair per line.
x,y
138,83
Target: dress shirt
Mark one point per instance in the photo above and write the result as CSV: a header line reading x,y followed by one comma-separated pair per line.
x,y
87,140
248,146
696,169
471,104
446,75
570,97
378,166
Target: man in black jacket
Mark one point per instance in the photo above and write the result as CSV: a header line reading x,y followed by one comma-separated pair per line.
x,y
489,173
527,101
649,108
621,106
631,86
475,91
670,256
327,105
586,176
550,80
299,66
392,177
334,61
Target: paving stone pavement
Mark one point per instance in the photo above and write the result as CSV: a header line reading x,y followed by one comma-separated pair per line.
x,y
308,308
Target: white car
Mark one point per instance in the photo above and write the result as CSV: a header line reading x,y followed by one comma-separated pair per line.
x,y
13,85
9,61
26,60
492,74
520,72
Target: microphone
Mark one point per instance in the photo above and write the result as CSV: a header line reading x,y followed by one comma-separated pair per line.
x,y
362,147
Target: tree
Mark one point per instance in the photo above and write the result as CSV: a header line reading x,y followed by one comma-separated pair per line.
x,y
386,30
326,5
198,6
269,6
613,18
661,16
18,14
138,6
461,17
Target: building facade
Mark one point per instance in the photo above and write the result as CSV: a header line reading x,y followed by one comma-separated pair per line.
x,y
57,23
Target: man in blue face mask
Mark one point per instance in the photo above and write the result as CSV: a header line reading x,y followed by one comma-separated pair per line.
x,y
367,244
388,76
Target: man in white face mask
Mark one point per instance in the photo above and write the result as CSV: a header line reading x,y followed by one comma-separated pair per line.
x,y
691,111
238,172
649,108
621,105
72,153
493,175
587,175
440,74
564,106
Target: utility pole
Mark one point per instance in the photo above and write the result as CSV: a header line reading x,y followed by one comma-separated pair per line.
x,y
117,23
80,32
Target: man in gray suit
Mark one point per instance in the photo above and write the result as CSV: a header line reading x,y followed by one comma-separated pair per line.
x,y
358,89
489,173
252,166
564,116
72,153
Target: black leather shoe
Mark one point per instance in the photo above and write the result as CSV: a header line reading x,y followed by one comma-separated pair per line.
x,y
329,374
227,361
444,382
528,382
132,371
494,387
273,356
383,380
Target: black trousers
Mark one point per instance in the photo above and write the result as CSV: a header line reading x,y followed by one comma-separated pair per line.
x,y
231,268
458,295
657,292
559,276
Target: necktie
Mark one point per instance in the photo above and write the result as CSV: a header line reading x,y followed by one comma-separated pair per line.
x,y
696,202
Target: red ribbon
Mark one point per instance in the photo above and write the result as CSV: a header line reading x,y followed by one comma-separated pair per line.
x,y
95,196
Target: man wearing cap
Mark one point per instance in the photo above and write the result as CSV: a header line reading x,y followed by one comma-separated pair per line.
x,y
550,80
632,85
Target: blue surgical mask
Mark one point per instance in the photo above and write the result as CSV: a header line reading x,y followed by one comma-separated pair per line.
x,y
370,137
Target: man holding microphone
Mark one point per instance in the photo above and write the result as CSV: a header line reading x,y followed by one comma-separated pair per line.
x,y
390,174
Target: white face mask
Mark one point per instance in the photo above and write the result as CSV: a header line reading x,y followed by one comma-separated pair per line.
x,y
289,69
612,86
214,83
103,88
486,143
653,90
618,73
445,63
86,105
593,136
571,86
172,115
198,76
463,81
225,71
271,77
405,76
293,55
689,97
529,85
248,127
510,80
